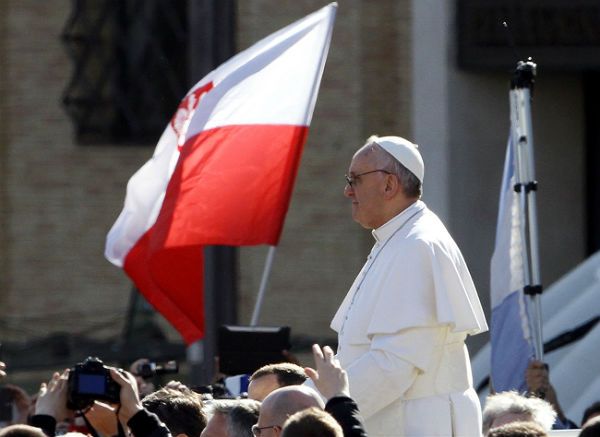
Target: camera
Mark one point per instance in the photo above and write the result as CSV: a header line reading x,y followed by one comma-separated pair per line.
x,y
89,381
149,370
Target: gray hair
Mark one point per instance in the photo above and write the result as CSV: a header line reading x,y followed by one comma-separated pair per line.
x,y
511,402
518,429
240,415
411,185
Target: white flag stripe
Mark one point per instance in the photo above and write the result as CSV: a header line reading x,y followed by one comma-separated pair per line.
x,y
507,259
277,61
143,199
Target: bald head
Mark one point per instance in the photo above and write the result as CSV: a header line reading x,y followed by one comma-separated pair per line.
x,y
283,402
20,430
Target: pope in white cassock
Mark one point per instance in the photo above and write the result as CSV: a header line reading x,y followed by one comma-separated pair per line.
x,y
402,326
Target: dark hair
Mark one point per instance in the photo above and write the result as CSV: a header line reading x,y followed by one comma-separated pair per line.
x,y
287,373
591,429
242,416
179,409
311,422
590,411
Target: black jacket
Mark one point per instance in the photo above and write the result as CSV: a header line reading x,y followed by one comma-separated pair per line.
x,y
346,412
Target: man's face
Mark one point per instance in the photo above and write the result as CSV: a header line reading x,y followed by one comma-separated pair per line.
x,y
265,427
366,191
260,387
216,426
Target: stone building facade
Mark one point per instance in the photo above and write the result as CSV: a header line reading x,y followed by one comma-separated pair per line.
x,y
391,70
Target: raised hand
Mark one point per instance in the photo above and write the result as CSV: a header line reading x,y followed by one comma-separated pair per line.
x,y
52,397
130,399
329,377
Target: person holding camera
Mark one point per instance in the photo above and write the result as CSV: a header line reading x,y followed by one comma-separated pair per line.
x,y
144,370
75,390
51,404
131,412
145,386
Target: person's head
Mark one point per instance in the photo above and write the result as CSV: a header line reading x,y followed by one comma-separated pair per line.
x,y
591,411
232,418
273,376
518,429
311,422
145,387
21,431
281,404
179,409
384,178
509,406
241,418
591,428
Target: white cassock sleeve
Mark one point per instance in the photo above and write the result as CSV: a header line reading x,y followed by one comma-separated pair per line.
x,y
389,368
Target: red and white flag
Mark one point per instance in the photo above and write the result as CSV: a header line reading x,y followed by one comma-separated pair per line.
x,y
223,170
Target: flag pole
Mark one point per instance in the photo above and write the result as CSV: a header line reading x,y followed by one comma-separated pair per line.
x,y
263,285
526,187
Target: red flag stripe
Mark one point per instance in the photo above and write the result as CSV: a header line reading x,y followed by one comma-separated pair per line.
x,y
227,173
171,280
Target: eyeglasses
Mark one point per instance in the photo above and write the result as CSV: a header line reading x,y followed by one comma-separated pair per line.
x,y
350,180
256,430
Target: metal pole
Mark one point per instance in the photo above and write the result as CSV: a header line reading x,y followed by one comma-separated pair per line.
x,y
263,285
211,25
200,55
526,186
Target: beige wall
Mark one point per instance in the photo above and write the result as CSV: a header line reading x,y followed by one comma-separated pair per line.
x,y
58,199
480,131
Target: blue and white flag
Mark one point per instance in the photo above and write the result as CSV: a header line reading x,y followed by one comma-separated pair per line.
x,y
511,334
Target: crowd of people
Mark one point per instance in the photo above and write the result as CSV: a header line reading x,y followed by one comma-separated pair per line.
x,y
279,402
401,367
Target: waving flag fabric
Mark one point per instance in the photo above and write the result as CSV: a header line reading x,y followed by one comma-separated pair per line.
x,y
512,342
223,170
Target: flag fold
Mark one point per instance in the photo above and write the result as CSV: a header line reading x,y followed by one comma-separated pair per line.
x,y
223,170
511,338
